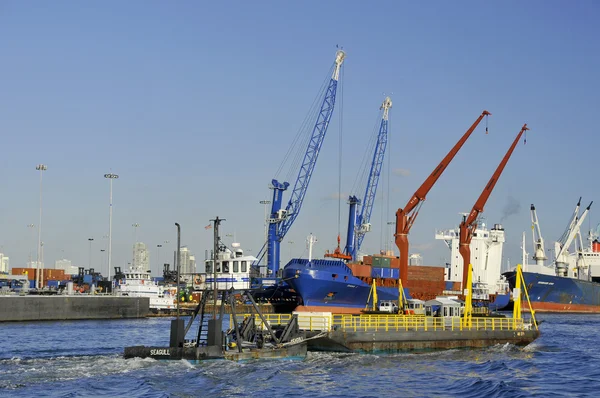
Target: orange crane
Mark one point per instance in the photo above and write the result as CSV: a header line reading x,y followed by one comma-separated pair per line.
x,y
405,217
469,224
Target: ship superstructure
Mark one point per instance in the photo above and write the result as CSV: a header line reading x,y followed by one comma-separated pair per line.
x,y
486,257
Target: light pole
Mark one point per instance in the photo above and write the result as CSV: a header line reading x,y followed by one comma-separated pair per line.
x,y
41,168
111,177
291,242
158,257
31,226
90,260
266,203
387,239
102,251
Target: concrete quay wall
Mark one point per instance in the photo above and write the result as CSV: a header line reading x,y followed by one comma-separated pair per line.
x,y
53,308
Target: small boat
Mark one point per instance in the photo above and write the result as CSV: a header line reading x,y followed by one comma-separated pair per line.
x,y
138,283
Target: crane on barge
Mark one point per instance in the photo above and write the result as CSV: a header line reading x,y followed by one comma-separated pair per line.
x,y
280,220
405,217
469,224
358,223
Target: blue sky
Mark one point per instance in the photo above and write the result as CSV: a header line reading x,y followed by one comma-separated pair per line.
x,y
194,105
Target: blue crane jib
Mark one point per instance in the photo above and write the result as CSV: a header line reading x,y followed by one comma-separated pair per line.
x,y
281,220
358,224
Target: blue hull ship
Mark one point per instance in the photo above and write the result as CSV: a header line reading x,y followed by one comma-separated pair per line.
x,y
552,293
329,285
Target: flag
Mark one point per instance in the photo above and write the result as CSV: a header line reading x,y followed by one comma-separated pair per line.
x,y
209,226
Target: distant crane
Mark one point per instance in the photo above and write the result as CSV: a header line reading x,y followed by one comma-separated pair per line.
x,y
539,253
469,223
561,247
280,220
405,217
358,223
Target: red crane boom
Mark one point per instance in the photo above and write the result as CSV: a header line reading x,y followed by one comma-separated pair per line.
x,y
406,217
469,224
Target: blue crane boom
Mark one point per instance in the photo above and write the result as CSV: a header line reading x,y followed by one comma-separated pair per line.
x,y
281,220
363,219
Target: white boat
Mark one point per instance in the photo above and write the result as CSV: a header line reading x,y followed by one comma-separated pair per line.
x,y
138,283
233,270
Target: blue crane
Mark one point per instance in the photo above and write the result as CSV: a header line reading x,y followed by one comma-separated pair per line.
x,y
280,220
358,223
362,221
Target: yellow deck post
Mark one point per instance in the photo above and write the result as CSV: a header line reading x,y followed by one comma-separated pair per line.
x,y
520,275
401,297
467,316
517,296
374,296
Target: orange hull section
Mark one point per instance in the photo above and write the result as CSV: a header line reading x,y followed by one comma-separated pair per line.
x,y
559,307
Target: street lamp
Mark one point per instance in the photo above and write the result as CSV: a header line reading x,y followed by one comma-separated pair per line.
x,y
31,226
41,168
102,251
266,202
90,260
291,242
387,239
158,257
111,177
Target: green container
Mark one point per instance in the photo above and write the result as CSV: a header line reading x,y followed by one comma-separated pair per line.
x,y
386,262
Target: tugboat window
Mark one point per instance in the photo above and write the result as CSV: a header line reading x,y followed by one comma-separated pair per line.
x,y
236,266
244,266
225,267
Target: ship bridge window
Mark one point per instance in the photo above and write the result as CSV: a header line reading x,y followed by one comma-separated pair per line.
x,y
208,267
226,267
485,235
244,266
236,266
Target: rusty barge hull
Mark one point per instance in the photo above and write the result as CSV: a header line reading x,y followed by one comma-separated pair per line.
x,y
404,341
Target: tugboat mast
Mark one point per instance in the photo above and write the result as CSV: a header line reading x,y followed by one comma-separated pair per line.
x,y
216,222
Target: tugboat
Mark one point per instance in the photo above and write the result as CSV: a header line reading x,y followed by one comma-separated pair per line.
x,y
137,282
249,338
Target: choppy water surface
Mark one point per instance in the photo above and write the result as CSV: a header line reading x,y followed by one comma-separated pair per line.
x,y
83,358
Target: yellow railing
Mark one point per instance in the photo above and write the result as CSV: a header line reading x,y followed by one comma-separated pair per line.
x,y
376,323
421,323
273,319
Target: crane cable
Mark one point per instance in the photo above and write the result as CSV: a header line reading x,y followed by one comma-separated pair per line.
x,y
300,140
360,182
341,126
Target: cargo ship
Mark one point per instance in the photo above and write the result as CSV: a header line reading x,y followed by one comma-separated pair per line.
x,y
572,282
337,286
334,286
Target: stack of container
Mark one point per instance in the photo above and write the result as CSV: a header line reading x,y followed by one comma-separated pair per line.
x,y
50,276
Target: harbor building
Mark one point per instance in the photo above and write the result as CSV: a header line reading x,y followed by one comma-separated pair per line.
x,y
141,259
187,261
66,266
4,263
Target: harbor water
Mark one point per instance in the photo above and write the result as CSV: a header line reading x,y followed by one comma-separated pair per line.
x,y
84,358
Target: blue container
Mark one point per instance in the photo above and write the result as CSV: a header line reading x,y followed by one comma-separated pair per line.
x,y
32,284
381,272
53,283
87,279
